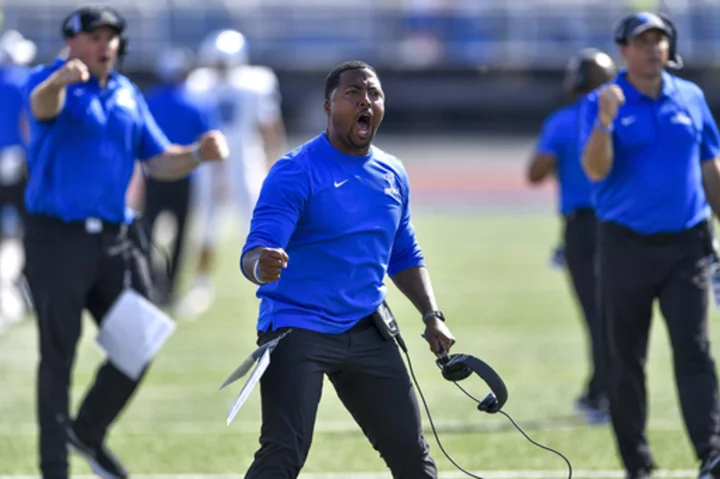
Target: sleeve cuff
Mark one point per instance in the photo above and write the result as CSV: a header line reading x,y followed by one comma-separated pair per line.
x,y
404,264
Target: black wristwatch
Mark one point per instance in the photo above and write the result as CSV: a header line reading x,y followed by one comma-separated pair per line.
x,y
434,314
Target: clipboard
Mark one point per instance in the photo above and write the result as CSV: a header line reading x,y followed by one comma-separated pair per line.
x,y
132,333
262,356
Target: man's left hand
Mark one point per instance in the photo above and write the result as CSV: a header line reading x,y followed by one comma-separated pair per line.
x,y
437,333
213,146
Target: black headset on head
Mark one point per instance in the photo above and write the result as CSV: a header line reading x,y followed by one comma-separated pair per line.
x,y
623,29
71,26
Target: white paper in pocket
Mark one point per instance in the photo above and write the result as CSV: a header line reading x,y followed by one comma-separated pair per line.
x,y
132,332
262,356
252,381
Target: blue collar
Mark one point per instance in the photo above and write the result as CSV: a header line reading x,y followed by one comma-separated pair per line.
x,y
632,93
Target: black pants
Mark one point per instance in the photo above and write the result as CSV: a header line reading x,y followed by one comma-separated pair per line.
x,y
370,379
68,270
173,197
634,270
580,238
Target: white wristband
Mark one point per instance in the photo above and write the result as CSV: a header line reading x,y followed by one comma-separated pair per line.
x,y
196,154
256,272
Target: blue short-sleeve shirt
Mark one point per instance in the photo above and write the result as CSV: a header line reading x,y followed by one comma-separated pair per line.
x,y
80,162
655,184
184,116
559,138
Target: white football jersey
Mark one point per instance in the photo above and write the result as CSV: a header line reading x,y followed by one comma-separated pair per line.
x,y
247,98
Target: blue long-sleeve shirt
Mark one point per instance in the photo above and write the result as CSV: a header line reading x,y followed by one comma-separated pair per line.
x,y
344,222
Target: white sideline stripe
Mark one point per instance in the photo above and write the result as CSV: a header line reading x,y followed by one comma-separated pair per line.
x,y
190,428
497,474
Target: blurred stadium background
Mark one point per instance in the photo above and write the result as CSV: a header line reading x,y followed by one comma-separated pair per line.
x,y
468,83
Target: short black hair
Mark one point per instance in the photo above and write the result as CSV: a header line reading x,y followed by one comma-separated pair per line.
x,y
333,78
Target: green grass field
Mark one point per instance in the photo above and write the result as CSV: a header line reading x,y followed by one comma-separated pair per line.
x,y
503,304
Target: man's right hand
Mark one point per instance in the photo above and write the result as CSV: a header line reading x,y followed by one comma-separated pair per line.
x,y
611,97
271,262
74,71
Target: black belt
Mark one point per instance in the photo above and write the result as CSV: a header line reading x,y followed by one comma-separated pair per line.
x,y
90,225
363,324
579,213
661,238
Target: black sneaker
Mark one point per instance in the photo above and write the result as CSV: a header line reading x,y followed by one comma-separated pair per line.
x,y
710,469
594,411
101,460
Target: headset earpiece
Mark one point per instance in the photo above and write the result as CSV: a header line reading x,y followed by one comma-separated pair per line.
x,y
674,60
452,369
457,367
123,47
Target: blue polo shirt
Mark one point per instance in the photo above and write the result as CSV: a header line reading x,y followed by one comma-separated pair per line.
x,y
655,184
559,137
344,222
183,116
80,163
12,79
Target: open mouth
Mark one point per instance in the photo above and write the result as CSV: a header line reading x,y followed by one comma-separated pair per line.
x,y
363,126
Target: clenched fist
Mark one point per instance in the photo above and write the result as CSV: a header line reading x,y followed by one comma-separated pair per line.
x,y
611,97
74,71
270,263
213,146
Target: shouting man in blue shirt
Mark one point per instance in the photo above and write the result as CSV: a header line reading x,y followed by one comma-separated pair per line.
x,y
558,153
332,219
88,125
652,146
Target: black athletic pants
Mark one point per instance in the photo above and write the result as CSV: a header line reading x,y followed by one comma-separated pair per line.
x,y
580,238
68,270
370,379
172,197
634,270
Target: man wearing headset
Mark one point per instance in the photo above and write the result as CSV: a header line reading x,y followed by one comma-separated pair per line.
x,y
557,152
88,125
652,147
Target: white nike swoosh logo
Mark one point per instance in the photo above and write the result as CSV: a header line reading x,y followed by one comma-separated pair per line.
x,y
338,185
629,120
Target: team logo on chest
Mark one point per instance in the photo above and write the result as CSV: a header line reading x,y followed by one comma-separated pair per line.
x,y
125,99
681,118
391,185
